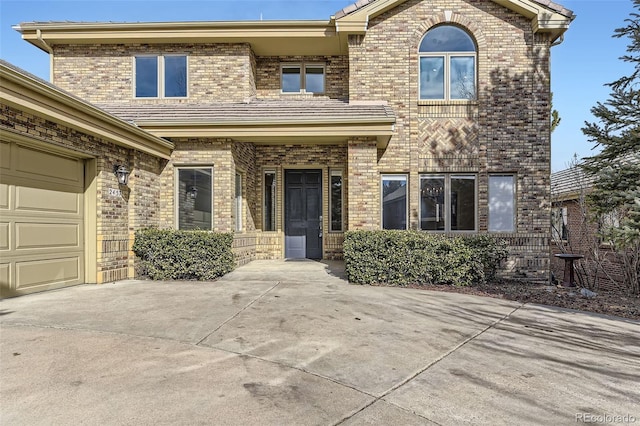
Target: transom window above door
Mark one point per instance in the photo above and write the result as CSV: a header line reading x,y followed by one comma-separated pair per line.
x,y
447,56
302,78
160,76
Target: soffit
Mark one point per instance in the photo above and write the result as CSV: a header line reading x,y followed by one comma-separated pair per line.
x,y
267,38
27,92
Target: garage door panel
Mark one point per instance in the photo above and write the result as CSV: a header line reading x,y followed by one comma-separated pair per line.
x,y
5,155
47,166
5,276
47,235
4,196
44,200
47,271
4,236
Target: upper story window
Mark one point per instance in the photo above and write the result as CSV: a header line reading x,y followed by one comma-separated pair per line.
x,y
305,78
447,64
161,76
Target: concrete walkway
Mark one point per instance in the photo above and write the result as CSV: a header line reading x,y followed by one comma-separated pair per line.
x,y
292,343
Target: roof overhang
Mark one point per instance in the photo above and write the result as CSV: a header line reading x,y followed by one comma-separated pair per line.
x,y
28,94
543,19
276,132
267,38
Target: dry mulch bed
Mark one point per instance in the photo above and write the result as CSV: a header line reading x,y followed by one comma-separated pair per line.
x,y
605,302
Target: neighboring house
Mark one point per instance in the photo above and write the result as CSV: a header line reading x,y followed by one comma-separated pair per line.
x,y
428,115
574,229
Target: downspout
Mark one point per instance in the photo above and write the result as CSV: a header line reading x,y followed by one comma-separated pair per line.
x,y
559,41
49,50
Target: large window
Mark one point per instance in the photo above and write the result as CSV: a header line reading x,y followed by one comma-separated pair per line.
x,y
335,204
194,197
269,205
161,76
296,78
394,202
502,191
448,202
447,64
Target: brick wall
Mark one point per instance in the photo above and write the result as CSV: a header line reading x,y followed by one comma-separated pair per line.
x,y
336,76
104,73
506,130
605,274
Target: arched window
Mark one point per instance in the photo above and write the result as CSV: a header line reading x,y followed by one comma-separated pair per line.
x,y
447,64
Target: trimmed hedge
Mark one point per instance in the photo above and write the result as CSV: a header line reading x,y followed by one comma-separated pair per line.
x,y
413,257
167,254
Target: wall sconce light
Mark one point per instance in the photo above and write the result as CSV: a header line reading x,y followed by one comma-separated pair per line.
x,y
192,192
122,173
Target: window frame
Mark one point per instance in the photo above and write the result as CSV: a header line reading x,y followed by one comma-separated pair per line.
x,y
560,215
161,74
514,200
447,201
447,68
332,173
274,206
238,202
302,68
394,176
176,190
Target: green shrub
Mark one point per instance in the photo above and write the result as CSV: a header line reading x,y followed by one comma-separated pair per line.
x,y
167,254
413,257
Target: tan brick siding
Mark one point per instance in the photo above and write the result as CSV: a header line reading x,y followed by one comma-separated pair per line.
x,y
104,73
505,130
268,83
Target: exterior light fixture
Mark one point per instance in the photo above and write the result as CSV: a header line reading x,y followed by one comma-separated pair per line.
x,y
192,192
122,173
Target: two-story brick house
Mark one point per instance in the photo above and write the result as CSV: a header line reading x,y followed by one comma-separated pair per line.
x,y
430,115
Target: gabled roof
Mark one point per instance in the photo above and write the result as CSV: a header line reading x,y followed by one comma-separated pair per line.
x,y
25,91
302,121
363,3
545,15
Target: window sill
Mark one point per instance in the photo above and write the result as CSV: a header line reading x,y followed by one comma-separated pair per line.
x,y
441,102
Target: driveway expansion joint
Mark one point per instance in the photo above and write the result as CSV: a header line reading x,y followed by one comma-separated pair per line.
x,y
428,366
232,317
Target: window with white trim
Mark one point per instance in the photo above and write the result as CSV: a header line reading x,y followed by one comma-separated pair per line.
x,y
302,78
163,76
502,195
194,201
447,63
394,201
448,202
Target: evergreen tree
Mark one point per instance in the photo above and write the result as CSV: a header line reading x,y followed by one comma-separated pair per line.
x,y
615,198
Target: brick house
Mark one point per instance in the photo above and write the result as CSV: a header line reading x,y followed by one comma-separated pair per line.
x,y
430,115
575,230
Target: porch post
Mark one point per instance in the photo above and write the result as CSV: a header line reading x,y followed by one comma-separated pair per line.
x,y
363,184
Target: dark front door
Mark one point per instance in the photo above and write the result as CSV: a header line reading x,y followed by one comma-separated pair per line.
x,y
303,214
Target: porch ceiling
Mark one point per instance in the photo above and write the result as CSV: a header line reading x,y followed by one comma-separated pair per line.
x,y
271,122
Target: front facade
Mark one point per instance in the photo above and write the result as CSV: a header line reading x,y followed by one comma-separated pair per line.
x,y
429,115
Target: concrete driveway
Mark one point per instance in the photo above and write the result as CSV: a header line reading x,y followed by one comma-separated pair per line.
x,y
292,343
